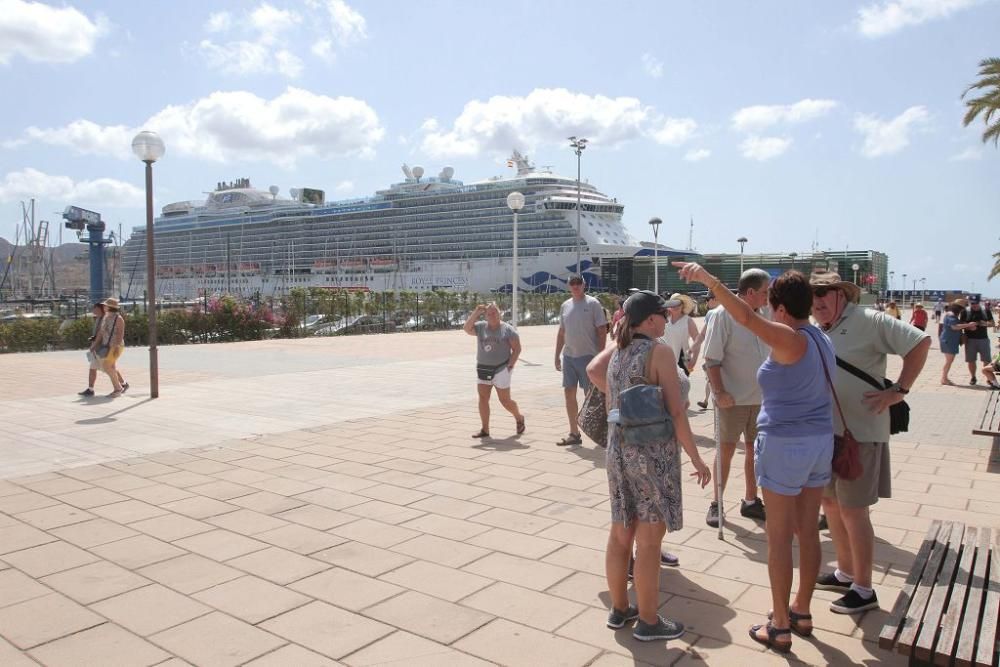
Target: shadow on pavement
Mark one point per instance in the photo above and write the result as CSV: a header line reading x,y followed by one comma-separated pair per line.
x,y
500,444
109,418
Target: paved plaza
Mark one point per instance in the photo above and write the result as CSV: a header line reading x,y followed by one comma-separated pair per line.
x,y
320,502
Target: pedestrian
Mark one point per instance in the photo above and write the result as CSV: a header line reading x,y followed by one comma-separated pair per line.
x,y
497,348
644,473
977,343
93,360
991,369
711,303
950,338
733,355
794,445
938,310
583,331
892,310
863,338
681,330
111,344
918,317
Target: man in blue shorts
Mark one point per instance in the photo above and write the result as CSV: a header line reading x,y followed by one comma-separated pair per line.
x,y
977,342
583,330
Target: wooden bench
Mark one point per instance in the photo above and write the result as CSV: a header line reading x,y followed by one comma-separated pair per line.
x,y
989,424
948,609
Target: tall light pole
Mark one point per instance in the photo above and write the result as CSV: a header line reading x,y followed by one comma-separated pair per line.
x,y
578,145
902,299
792,256
855,267
655,224
742,241
515,201
923,289
892,277
149,148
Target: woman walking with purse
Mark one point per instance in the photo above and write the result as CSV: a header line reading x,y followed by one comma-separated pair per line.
x,y
497,350
643,464
794,447
112,337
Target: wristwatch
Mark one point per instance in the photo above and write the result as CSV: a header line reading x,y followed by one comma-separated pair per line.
x,y
900,389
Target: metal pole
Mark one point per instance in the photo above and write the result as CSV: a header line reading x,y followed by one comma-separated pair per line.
x,y
656,259
513,284
579,153
718,466
154,367
229,265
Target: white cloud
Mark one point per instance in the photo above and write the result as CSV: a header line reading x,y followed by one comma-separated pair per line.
x,y
697,155
238,57
323,49
219,22
348,26
547,116
764,148
892,136
271,22
288,63
239,125
674,131
971,153
758,117
41,33
106,192
344,187
652,65
885,18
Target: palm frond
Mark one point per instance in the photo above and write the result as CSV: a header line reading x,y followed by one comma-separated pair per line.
x,y
996,267
992,132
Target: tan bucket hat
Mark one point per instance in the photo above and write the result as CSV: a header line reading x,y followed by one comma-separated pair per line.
x,y
832,279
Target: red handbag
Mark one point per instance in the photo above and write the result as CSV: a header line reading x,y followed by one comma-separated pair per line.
x,y
846,454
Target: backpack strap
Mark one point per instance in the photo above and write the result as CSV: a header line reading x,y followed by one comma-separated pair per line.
x,y
826,372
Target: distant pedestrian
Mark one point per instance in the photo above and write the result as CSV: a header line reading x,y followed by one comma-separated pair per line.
x,y
733,355
892,310
644,468
111,345
938,310
977,343
681,330
583,331
950,338
497,349
918,317
93,360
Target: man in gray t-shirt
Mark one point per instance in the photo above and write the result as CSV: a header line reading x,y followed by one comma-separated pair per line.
x,y
583,330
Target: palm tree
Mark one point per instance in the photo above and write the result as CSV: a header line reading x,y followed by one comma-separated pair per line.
x,y
995,271
988,103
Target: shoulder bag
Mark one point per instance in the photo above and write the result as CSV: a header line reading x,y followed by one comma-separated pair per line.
x,y
593,416
641,412
846,455
899,414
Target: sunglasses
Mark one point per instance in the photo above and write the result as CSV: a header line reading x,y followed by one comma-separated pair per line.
x,y
823,291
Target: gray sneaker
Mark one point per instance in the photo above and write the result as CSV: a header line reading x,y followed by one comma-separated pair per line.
x,y
712,518
662,629
618,619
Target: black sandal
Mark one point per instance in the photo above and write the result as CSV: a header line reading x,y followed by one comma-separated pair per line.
x,y
772,634
794,618
571,439
483,433
520,425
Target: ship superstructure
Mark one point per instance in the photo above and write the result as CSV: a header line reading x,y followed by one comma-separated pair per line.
x,y
421,233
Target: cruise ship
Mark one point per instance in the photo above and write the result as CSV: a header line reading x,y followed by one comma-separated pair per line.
x,y
422,233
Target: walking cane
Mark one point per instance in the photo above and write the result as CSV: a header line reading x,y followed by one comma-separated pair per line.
x,y
718,467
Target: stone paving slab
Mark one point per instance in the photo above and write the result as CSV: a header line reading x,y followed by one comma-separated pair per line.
x,y
327,506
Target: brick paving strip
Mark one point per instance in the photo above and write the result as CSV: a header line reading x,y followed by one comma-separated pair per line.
x,y
320,502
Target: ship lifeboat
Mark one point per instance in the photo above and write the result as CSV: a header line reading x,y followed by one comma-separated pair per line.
x,y
324,266
249,268
383,264
353,265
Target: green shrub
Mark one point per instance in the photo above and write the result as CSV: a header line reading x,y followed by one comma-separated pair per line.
x,y
76,334
29,335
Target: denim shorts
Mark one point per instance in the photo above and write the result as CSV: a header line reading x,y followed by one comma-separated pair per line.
x,y
788,464
574,371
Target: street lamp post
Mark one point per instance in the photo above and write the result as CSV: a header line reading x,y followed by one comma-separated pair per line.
x,y
792,256
655,224
515,201
578,145
923,289
742,241
855,267
149,148
892,277
902,299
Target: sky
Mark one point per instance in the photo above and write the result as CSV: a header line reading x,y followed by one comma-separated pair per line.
x,y
798,125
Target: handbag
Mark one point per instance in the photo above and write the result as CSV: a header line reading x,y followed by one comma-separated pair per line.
x,y
593,416
899,413
102,350
846,451
643,416
488,371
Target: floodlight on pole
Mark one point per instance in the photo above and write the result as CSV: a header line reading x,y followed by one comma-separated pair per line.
x,y
742,241
515,202
578,145
855,267
149,148
655,224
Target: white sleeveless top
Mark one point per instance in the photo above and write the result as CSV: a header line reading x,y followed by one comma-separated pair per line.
x,y
676,336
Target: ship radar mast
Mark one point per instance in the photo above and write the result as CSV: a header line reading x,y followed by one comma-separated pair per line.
x,y
524,166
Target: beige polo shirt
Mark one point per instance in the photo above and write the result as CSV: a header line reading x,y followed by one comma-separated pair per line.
x,y
865,338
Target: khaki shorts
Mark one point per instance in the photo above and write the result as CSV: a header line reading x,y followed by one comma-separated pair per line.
x,y
875,482
736,421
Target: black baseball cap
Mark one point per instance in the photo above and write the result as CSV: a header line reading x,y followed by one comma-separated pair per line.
x,y
644,303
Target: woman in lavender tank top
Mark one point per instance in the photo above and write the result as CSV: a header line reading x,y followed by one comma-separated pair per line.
x,y
794,447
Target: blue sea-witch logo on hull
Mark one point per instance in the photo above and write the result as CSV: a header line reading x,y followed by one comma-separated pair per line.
x,y
543,282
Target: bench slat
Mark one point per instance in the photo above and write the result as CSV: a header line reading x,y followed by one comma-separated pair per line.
x,y
990,423
939,594
988,630
956,604
887,638
915,614
968,635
